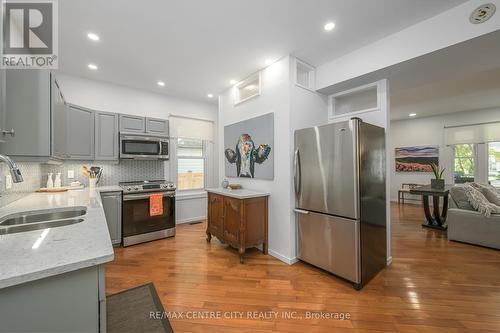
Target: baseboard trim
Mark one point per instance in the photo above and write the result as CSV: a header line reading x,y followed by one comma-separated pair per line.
x,y
285,259
193,219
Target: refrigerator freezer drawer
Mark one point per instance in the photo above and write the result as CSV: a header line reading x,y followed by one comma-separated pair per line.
x,y
331,243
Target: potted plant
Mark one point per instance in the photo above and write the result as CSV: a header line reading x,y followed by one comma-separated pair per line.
x,y
438,182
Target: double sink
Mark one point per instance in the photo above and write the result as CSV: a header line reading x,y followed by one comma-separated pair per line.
x,y
41,219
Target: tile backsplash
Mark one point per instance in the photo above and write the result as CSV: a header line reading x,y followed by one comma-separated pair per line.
x,y
112,174
32,175
35,175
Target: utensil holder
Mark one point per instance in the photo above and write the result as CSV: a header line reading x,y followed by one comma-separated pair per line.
x,y
92,183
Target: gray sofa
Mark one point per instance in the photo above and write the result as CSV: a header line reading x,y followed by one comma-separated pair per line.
x,y
467,225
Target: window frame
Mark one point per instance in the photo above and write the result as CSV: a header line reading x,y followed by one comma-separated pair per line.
x,y
474,160
488,161
185,157
237,100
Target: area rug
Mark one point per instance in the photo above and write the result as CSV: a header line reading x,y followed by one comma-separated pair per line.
x,y
131,311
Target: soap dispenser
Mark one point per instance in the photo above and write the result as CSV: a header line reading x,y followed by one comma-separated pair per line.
x,y
50,182
57,182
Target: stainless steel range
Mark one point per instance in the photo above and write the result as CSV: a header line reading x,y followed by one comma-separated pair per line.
x,y
138,225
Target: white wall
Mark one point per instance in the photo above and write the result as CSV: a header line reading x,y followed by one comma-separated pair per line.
x,y
307,108
443,30
104,96
275,97
190,208
430,131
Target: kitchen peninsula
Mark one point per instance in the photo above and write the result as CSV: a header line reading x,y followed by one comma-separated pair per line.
x,y
56,275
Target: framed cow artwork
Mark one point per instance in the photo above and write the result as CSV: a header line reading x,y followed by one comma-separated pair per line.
x,y
249,148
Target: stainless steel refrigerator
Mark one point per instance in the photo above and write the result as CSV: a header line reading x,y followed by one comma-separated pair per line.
x,y
339,180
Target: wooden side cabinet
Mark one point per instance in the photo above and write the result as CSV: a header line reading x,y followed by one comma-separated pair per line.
x,y
240,223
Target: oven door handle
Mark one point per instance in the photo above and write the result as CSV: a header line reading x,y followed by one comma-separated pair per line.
x,y
130,197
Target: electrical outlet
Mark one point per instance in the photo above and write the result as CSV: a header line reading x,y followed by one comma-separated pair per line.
x,y
8,181
71,174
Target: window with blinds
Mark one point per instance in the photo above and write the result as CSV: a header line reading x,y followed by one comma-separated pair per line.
x,y
474,133
465,163
494,163
190,164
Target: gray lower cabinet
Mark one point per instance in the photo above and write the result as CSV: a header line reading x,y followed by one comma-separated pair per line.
x,y
132,124
80,127
157,126
106,136
28,113
112,203
69,302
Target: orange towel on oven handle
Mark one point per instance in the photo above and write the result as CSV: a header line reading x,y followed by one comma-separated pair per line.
x,y
156,204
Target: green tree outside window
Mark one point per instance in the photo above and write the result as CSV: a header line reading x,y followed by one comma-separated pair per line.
x,y
464,162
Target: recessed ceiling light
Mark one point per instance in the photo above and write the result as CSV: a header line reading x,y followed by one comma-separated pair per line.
x,y
412,115
233,82
329,26
161,83
210,95
93,36
92,67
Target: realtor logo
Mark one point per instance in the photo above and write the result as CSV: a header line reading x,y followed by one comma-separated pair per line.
x,y
29,34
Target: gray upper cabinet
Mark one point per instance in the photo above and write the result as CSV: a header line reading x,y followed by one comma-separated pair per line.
x,y
59,121
80,127
27,113
37,123
132,124
106,136
112,204
157,126
2,101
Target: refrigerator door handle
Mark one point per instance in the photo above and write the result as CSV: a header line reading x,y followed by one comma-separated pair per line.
x,y
297,171
301,211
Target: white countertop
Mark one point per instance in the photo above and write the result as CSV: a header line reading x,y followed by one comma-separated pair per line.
x,y
238,194
63,249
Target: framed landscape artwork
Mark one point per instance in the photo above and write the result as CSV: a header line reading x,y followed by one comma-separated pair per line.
x,y
416,159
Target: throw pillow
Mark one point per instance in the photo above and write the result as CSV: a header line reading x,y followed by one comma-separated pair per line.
x,y
490,192
479,201
457,194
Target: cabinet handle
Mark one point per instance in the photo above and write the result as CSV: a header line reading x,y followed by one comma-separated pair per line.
x,y
12,132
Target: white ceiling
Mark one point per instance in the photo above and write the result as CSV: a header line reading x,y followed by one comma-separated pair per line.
x,y
462,77
197,46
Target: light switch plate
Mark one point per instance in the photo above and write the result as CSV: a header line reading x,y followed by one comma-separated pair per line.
x,y
8,181
71,174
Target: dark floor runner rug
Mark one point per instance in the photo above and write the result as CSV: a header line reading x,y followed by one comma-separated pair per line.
x,y
129,311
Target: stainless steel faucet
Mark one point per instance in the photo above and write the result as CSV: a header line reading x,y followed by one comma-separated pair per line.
x,y
17,177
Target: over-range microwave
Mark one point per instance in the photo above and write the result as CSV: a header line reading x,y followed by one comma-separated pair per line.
x,y
143,146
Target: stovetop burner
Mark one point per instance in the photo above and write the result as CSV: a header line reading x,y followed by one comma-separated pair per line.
x,y
147,186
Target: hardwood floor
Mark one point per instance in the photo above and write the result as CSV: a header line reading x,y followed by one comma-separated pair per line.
x,y
433,285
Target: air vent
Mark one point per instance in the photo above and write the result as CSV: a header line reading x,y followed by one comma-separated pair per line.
x,y
482,13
